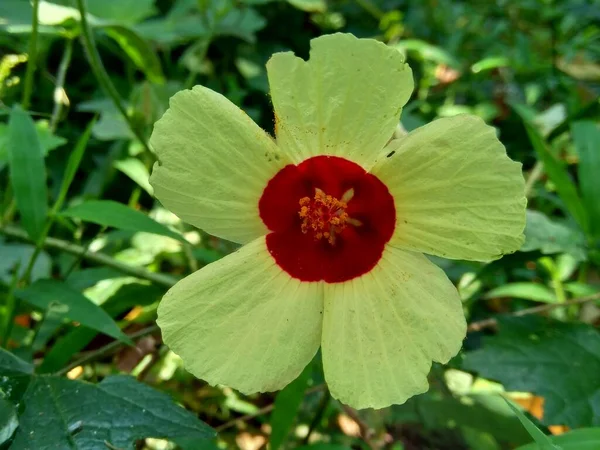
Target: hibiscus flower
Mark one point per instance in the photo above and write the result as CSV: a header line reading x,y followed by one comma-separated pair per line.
x,y
335,219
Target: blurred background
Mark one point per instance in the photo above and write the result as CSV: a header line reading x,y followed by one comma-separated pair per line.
x,y
89,93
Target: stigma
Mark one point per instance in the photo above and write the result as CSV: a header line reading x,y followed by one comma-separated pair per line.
x,y
324,215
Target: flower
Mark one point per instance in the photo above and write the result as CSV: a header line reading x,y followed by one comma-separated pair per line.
x,y
335,220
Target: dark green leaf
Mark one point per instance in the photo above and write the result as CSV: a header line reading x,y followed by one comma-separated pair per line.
x,y
117,215
587,141
529,291
72,166
549,236
287,404
79,415
542,441
19,254
558,361
15,375
62,299
582,439
27,172
558,174
138,50
8,420
77,339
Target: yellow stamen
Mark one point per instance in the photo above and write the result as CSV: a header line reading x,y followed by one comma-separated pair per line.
x,y
325,215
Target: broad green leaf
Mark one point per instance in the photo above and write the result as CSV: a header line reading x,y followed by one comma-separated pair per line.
x,y
79,415
27,172
427,51
75,340
117,215
549,236
8,420
58,296
138,50
528,291
542,441
48,140
555,360
582,439
487,413
122,11
557,172
287,404
309,5
587,141
14,255
137,171
15,375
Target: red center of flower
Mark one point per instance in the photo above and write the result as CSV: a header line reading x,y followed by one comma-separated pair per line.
x,y
329,219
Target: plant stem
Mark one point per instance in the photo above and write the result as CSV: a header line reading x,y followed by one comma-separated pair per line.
x,y
492,322
31,57
101,75
60,83
323,404
99,258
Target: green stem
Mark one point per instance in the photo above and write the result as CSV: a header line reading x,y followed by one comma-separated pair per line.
x,y
31,57
100,73
60,83
318,416
371,8
98,258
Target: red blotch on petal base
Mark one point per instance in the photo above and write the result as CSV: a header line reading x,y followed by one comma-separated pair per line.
x,y
357,247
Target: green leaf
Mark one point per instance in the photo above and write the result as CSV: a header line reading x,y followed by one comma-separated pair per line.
x,y
309,5
58,296
287,404
139,51
79,415
555,360
427,51
557,172
72,166
487,413
117,215
542,441
324,446
14,375
549,236
27,172
137,171
490,63
8,420
582,439
20,254
122,11
586,135
128,296
528,291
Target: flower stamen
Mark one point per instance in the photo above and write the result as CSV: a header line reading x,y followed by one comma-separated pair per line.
x,y
324,215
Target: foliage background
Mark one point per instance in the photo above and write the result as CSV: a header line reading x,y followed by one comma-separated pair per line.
x,y
81,274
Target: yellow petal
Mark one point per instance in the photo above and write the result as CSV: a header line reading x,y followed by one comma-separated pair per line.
x,y
213,164
381,331
457,193
243,322
344,101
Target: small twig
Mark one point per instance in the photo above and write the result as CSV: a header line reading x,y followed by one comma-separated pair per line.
x,y
492,322
261,412
105,350
366,432
99,258
59,89
534,175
